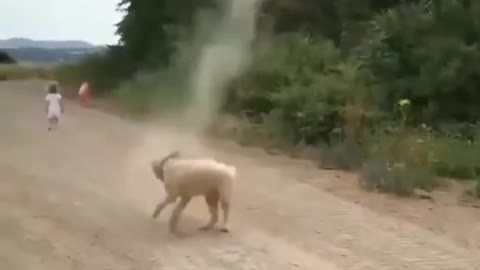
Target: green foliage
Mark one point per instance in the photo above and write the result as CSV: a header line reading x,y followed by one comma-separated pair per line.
x,y
410,155
447,157
6,59
401,146
150,29
427,55
104,72
336,20
477,188
151,92
306,83
396,178
20,72
342,156
456,159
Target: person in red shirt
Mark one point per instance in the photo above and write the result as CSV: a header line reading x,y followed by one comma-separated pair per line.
x,y
84,94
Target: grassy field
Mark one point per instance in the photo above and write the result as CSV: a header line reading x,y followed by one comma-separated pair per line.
x,y
24,71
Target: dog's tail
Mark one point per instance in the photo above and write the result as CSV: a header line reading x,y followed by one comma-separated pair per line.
x,y
158,166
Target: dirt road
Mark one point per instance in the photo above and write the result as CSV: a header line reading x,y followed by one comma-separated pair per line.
x,y
81,198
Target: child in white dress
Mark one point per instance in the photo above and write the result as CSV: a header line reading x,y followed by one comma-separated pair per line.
x,y
54,106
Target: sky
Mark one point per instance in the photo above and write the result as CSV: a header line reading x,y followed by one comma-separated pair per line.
x,y
89,20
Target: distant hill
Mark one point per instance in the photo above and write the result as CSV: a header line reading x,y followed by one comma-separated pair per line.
x,y
14,43
50,56
48,51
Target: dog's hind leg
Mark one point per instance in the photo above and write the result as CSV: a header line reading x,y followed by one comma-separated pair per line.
x,y
212,203
225,197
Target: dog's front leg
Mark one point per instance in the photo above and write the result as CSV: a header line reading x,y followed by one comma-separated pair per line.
x,y
168,200
176,213
212,202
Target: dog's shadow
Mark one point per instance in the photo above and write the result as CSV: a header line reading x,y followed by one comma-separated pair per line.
x,y
187,229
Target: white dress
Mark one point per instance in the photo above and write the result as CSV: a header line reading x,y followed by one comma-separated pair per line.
x,y
54,109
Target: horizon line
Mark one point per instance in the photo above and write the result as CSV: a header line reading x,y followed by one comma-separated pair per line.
x,y
61,40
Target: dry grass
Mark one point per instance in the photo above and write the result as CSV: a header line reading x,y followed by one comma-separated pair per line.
x,y
9,72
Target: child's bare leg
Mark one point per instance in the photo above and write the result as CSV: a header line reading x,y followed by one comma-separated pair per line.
x,y
50,123
54,122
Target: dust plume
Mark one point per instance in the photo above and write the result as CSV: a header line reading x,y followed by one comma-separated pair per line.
x,y
221,58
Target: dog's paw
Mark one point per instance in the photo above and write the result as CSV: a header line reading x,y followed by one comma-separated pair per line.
x,y
206,228
224,230
155,213
177,235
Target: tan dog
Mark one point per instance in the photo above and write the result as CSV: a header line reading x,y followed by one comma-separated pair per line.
x,y
189,177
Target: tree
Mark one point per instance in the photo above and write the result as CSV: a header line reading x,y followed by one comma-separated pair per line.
x,y
6,58
150,28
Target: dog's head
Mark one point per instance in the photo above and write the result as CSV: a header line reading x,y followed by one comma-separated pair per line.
x,y
159,165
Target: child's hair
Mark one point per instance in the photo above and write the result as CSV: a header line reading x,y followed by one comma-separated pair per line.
x,y
53,88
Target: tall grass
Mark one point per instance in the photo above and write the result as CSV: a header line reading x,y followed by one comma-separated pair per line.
x,y
22,72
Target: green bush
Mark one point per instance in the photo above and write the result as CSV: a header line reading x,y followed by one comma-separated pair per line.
x,y
307,85
477,188
400,146
402,160
396,178
419,154
374,174
427,53
5,58
455,158
342,156
151,92
104,72
448,157
20,72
